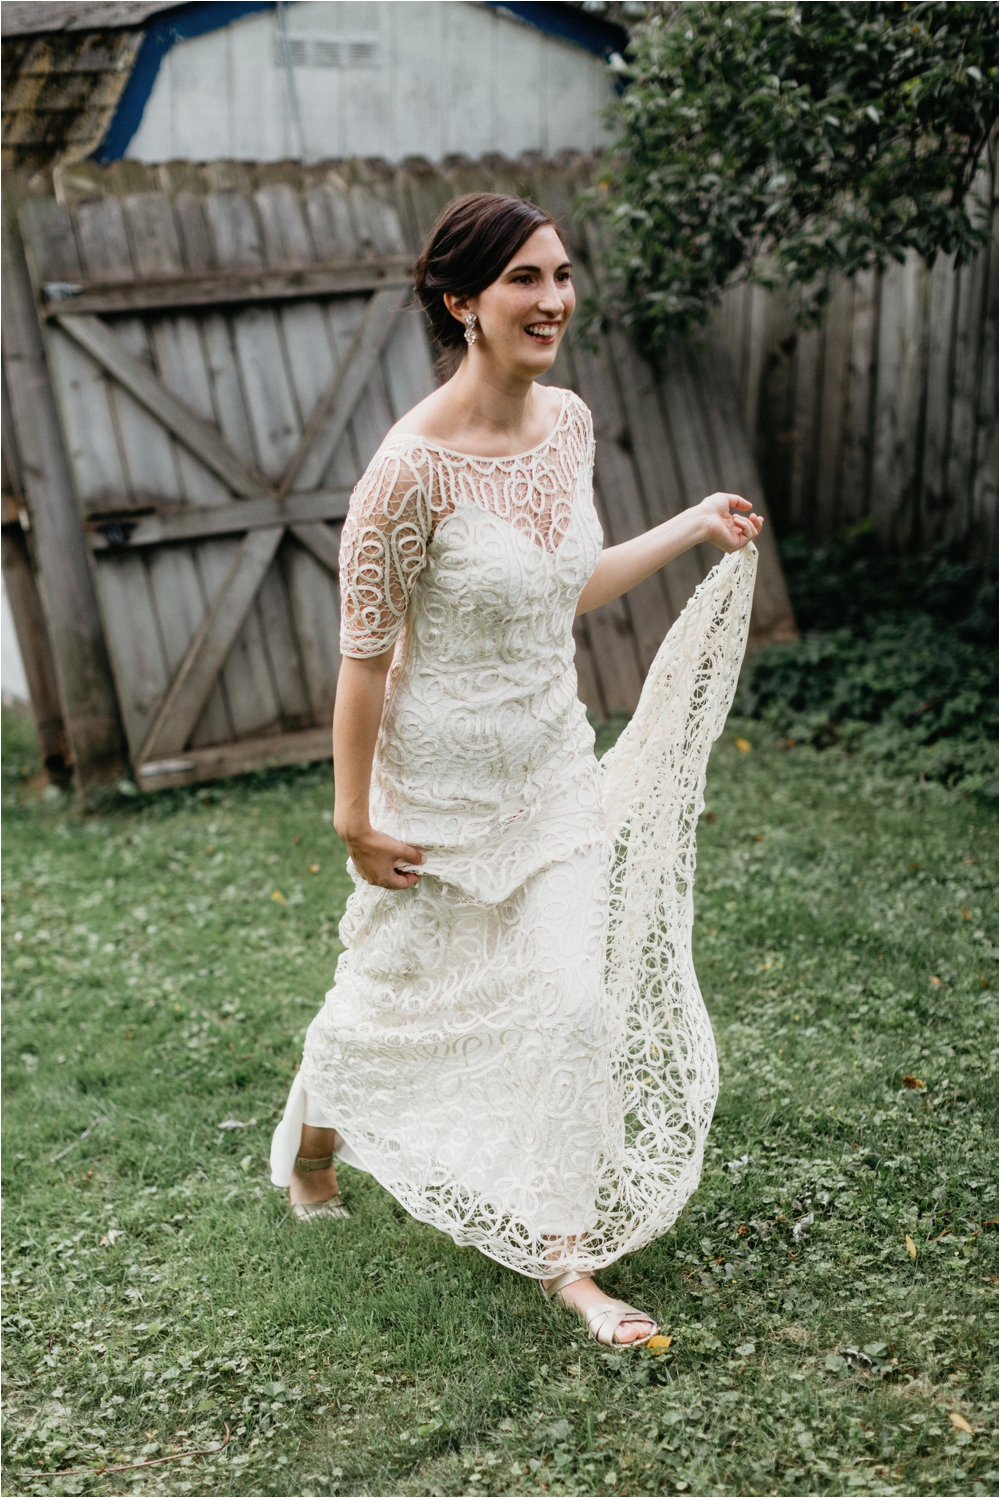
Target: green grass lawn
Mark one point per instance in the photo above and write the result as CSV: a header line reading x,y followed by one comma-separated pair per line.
x,y
829,1290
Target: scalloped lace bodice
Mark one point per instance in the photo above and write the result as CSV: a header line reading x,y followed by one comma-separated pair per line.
x,y
517,1046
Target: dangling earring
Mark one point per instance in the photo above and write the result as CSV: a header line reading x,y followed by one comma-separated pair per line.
x,y
470,327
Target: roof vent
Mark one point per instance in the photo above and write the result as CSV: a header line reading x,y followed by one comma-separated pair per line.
x,y
329,51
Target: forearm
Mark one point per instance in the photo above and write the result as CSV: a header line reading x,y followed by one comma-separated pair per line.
x,y
621,567
357,715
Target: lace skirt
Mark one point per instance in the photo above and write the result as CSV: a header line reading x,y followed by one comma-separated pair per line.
x,y
536,1076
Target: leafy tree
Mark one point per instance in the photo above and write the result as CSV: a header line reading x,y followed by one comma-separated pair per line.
x,y
791,142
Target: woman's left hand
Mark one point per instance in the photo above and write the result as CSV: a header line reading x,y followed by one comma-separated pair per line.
x,y
730,522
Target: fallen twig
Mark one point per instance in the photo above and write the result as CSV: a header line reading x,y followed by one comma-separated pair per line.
x,y
73,1146
148,1461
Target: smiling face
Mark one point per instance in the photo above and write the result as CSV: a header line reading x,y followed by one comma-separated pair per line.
x,y
522,315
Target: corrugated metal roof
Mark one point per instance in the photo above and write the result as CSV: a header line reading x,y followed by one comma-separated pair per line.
x,y
30,17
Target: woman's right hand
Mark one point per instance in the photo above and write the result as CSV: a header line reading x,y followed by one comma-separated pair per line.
x,y
357,714
375,856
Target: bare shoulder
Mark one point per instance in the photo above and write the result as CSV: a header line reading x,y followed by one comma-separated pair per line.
x,y
422,420
556,398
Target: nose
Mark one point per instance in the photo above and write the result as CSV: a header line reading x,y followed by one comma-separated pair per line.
x,y
550,301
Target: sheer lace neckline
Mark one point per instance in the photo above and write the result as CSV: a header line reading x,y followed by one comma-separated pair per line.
x,y
412,485
454,452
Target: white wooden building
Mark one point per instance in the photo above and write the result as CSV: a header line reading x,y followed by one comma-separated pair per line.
x,y
388,78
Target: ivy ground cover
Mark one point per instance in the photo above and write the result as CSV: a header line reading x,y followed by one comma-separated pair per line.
x,y
828,1293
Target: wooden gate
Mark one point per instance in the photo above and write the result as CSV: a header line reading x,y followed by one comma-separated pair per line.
x,y
227,346
225,363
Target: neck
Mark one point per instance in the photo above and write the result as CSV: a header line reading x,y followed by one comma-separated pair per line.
x,y
499,400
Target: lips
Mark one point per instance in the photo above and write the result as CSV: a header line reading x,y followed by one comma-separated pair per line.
x,y
542,332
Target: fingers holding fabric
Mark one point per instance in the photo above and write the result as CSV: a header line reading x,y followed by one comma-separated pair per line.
x,y
730,520
383,860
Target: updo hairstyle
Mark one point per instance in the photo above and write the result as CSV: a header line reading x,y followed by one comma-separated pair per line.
x,y
474,238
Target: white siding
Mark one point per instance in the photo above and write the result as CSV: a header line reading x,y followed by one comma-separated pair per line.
x,y
13,681
449,76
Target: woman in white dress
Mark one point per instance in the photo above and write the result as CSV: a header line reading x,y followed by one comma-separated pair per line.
x,y
515,1044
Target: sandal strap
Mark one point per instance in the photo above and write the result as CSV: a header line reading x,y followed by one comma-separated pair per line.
x,y
568,1277
313,1211
602,1324
304,1164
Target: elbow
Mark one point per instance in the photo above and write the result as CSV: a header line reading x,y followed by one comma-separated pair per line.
x,y
371,667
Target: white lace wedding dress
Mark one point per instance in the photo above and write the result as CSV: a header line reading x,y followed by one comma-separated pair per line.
x,y
517,1047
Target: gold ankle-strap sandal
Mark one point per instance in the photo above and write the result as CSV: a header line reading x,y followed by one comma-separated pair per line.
x,y
604,1322
313,1211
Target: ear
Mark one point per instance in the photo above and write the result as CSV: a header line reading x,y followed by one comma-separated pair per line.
x,y
458,306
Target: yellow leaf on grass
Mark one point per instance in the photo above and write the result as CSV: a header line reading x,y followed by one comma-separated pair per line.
x,y
278,896
960,1422
658,1345
743,745
911,1247
314,868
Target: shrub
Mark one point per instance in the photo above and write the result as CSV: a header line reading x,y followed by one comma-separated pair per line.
x,y
897,661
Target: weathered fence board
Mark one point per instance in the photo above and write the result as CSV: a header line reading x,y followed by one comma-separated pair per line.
x,y
21,584
885,412
88,709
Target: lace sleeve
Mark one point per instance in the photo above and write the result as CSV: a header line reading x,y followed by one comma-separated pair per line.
x,y
383,549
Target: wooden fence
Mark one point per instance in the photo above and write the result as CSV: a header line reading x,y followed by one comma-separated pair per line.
x,y
887,411
201,362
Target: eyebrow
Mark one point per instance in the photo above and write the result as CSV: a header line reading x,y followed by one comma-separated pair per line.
x,y
566,265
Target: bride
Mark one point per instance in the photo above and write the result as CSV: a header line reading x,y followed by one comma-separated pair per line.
x,y
515,1044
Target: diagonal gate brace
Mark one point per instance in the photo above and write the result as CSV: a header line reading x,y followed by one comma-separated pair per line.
x,y
190,688
336,405
198,435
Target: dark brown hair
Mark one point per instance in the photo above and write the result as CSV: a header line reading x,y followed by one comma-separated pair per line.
x,y
472,241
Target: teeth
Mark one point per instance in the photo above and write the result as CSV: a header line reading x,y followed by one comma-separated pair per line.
x,y
541,329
